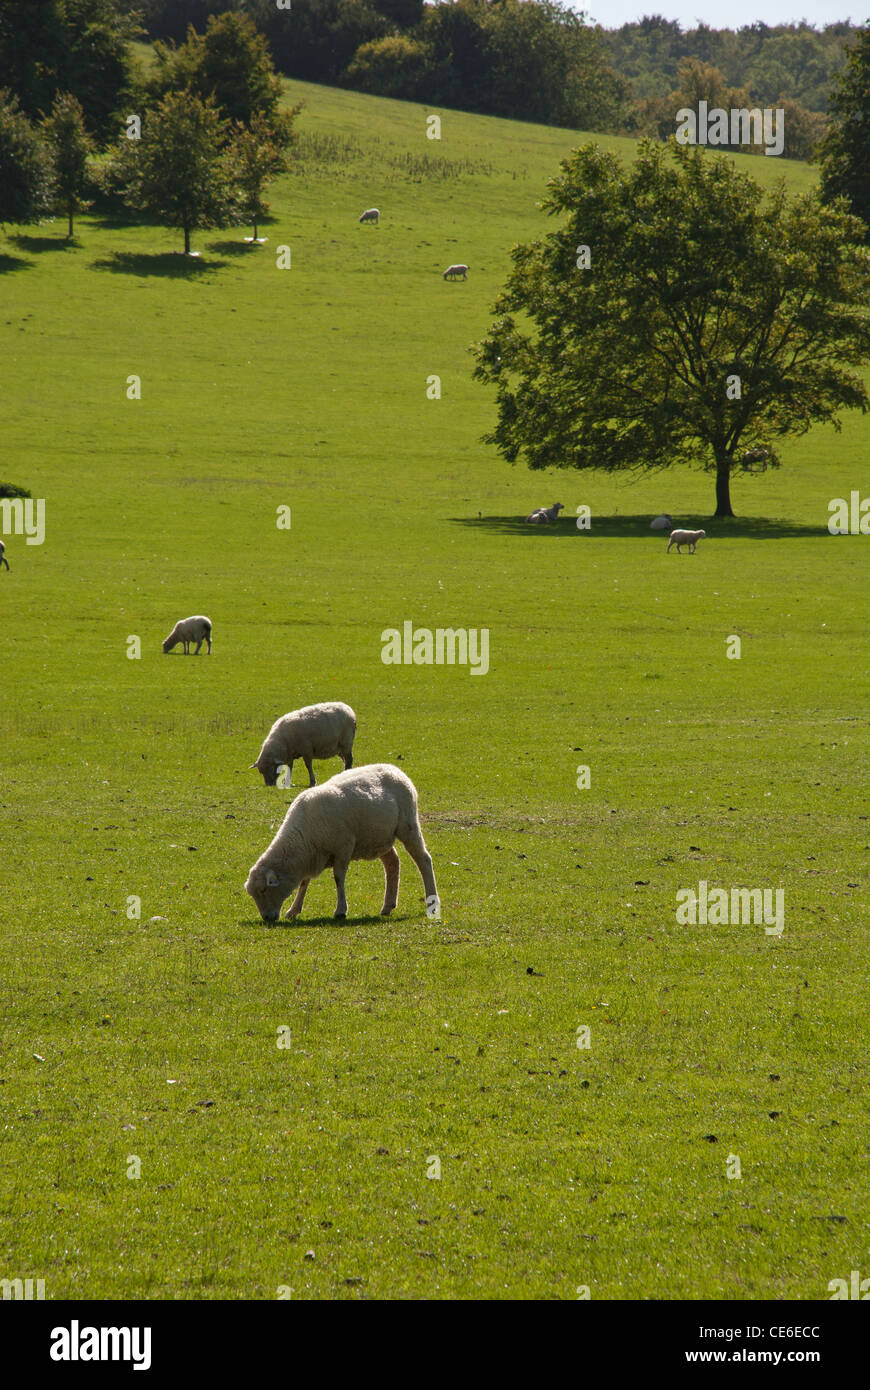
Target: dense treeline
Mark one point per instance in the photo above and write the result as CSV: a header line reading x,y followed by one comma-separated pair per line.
x,y
794,60
538,61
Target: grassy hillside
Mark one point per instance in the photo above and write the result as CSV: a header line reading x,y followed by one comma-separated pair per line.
x,y
155,1038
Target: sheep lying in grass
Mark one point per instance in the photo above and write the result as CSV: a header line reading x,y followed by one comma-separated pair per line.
x,y
453,271
370,215
662,523
3,560
355,815
689,538
189,630
545,516
317,731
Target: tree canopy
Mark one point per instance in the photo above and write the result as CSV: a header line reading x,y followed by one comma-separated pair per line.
x,y
25,173
230,62
178,172
846,147
680,314
69,145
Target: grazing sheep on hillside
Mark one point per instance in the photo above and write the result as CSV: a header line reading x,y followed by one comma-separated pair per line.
x,y
453,270
3,560
317,731
689,538
545,516
370,215
355,815
662,523
189,630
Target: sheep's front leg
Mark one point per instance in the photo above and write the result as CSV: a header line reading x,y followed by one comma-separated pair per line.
x,y
392,869
296,906
311,781
338,873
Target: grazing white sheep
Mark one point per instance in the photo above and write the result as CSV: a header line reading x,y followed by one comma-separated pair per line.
x,y
355,815
545,516
689,538
453,270
189,630
662,523
317,731
370,215
3,560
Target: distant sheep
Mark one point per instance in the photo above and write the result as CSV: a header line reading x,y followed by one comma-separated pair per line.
x,y
3,560
355,815
189,630
662,523
317,731
689,538
453,271
546,516
370,215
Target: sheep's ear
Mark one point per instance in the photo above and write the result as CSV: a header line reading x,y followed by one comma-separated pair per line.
x,y
250,765
271,879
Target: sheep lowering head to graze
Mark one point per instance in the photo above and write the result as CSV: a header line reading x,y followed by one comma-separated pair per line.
x,y
662,523
453,271
317,731
355,815
689,538
370,215
546,516
189,630
3,560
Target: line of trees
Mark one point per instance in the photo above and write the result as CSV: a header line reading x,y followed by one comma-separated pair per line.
x,y
532,59
207,140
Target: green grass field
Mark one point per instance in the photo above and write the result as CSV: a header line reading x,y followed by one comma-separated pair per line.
x,y
267,1168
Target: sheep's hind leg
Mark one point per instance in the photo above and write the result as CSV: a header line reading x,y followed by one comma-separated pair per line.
x,y
392,870
296,906
311,780
416,847
198,645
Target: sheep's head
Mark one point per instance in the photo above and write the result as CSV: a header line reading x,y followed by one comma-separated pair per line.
x,y
269,887
269,767
168,643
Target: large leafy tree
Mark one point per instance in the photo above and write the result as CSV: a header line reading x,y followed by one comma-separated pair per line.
x,y
178,172
76,46
845,151
25,174
70,145
710,319
230,61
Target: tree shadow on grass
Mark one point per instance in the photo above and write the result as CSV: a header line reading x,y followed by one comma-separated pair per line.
x,y
234,248
638,527
170,265
10,263
39,244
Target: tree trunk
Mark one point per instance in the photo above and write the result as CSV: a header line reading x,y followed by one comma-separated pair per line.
x,y
186,240
255,231
723,486
70,215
